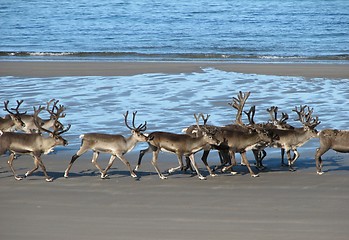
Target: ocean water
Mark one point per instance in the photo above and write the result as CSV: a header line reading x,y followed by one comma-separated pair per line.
x,y
168,101
239,30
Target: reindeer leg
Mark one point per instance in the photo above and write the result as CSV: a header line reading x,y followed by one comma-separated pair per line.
x,y
42,166
295,157
94,161
193,163
10,160
124,160
180,166
141,154
319,152
104,172
224,158
283,164
81,151
204,160
262,155
244,158
289,159
36,163
187,165
154,162
233,163
257,153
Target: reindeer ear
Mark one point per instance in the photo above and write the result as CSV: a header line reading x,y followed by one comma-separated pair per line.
x,y
51,134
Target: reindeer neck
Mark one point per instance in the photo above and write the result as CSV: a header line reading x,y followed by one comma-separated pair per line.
x,y
130,142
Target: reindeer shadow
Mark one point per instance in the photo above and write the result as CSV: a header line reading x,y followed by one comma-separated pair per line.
x,y
330,163
112,173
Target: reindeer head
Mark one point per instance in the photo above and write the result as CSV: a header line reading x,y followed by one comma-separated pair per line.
x,y
210,133
16,117
137,132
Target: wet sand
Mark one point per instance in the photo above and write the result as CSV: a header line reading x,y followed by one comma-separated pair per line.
x,y
277,205
51,69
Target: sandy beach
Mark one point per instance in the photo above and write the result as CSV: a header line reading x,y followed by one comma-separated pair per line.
x,y
50,69
278,205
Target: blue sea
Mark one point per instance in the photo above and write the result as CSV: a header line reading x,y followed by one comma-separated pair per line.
x,y
177,30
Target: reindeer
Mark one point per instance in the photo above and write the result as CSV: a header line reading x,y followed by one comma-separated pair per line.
x,y
115,144
242,140
337,140
194,131
34,144
279,124
291,139
13,121
259,149
179,144
52,122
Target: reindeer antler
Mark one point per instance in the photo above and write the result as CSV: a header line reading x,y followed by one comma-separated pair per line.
x,y
250,114
36,120
19,102
284,118
205,119
141,127
55,112
273,113
306,118
238,104
58,115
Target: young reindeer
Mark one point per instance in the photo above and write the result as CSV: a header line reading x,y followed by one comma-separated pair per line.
x,y
13,120
337,140
34,144
179,144
116,145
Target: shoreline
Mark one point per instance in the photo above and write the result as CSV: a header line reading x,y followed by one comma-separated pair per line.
x,y
67,68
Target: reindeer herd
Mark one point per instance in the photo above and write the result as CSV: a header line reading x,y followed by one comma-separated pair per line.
x,y
22,133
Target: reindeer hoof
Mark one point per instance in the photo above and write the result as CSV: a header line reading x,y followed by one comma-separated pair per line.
x,y
320,172
18,178
224,169
255,175
66,175
202,177
49,179
134,175
26,174
171,170
233,173
104,176
136,168
162,177
213,175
